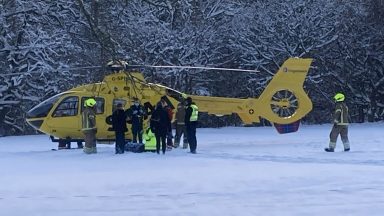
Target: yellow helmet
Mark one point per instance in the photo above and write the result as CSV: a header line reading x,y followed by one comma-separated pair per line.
x,y
90,102
339,97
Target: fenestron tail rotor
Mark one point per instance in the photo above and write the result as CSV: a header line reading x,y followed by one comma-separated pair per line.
x,y
284,103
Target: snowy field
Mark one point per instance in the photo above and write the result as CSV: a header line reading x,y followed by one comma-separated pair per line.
x,y
237,171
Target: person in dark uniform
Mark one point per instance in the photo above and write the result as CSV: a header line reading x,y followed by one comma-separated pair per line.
x,y
160,124
191,116
119,125
136,115
340,124
169,110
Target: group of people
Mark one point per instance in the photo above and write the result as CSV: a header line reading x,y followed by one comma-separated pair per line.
x,y
160,125
186,123
135,116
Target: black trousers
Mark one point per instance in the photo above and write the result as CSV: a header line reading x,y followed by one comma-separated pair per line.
x,y
191,134
161,138
137,132
120,142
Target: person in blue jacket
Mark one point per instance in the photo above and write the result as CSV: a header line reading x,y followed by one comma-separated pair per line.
x,y
136,115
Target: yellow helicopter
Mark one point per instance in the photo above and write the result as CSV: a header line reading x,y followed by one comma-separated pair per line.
x,y
282,102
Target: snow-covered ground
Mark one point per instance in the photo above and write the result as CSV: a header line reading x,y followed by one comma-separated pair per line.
x,y
237,171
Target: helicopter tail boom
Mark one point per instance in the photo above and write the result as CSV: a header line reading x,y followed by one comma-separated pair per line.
x,y
283,101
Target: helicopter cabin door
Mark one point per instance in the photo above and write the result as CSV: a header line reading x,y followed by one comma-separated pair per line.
x,y
63,121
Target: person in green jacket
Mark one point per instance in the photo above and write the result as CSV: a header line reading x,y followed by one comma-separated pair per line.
x,y
340,124
149,140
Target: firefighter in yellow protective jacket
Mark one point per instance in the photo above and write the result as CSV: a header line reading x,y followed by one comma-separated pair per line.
x,y
340,124
89,126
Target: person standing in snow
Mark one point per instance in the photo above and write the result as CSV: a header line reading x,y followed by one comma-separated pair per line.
x,y
191,116
89,126
160,124
340,124
136,114
169,110
119,125
180,126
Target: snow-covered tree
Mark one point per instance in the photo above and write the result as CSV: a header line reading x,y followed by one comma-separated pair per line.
x,y
36,49
46,45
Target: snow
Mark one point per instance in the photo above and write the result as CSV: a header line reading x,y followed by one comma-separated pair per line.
x,y
237,171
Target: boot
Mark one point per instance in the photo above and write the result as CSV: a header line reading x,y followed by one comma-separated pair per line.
x,y
329,149
87,150
347,149
80,145
94,150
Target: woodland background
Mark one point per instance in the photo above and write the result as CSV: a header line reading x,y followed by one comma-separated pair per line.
x,y
49,46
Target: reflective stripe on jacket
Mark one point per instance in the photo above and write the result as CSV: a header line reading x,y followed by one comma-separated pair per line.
x,y
341,114
88,119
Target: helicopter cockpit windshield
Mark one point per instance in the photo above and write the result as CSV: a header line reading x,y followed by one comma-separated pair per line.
x,y
42,109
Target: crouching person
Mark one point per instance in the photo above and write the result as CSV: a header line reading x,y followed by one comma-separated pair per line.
x,y
89,126
149,140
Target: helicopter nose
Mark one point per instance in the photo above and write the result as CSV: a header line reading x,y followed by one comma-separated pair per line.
x,y
35,123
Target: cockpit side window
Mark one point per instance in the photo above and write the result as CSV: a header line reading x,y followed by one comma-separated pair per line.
x,y
99,104
68,107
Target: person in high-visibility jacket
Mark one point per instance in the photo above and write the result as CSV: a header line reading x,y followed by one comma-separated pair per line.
x,y
89,126
191,117
340,124
149,140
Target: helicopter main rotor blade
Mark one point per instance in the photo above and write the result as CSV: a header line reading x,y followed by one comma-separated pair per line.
x,y
194,67
61,69
141,66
